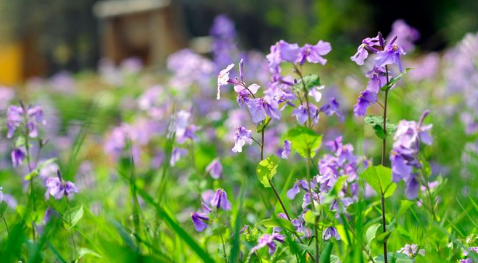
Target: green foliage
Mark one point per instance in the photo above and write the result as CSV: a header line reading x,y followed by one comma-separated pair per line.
x,y
304,140
393,81
380,179
309,82
377,124
278,222
266,169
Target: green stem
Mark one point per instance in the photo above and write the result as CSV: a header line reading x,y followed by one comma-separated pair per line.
x,y
384,149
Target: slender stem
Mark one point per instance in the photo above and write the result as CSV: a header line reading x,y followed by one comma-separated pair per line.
x,y
224,248
306,94
274,188
316,232
384,149
258,143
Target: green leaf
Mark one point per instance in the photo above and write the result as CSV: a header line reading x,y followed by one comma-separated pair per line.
x,y
326,251
304,140
377,124
85,251
31,175
380,179
74,216
394,257
57,255
306,248
404,207
370,233
278,222
263,124
392,82
383,237
310,81
266,169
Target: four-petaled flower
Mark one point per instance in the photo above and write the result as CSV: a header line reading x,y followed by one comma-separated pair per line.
x,y
57,188
268,240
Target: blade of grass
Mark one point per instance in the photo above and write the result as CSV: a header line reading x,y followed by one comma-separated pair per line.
x,y
176,227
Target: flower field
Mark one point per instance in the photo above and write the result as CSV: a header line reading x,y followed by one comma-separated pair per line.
x,y
239,156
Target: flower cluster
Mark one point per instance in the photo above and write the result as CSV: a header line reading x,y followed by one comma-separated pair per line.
x,y
343,163
404,155
386,53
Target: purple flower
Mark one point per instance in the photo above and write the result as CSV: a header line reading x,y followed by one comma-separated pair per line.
x,y
14,119
405,150
222,79
261,107
199,221
407,34
58,189
268,240
288,52
215,169
468,260
314,53
242,137
330,232
411,250
315,93
301,184
293,191
220,200
285,151
360,56
331,108
411,187
176,155
17,157
364,100
302,114
390,55
373,45
377,79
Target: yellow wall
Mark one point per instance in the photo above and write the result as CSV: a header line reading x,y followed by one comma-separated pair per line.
x,y
10,63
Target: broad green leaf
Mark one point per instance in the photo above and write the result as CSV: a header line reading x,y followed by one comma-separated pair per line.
x,y
377,124
370,233
392,81
380,179
394,257
334,259
266,169
304,140
310,81
278,222
74,216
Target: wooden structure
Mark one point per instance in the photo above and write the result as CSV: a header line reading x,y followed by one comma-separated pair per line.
x,y
148,29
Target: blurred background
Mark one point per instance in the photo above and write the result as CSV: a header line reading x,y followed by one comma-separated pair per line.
x,y
40,38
